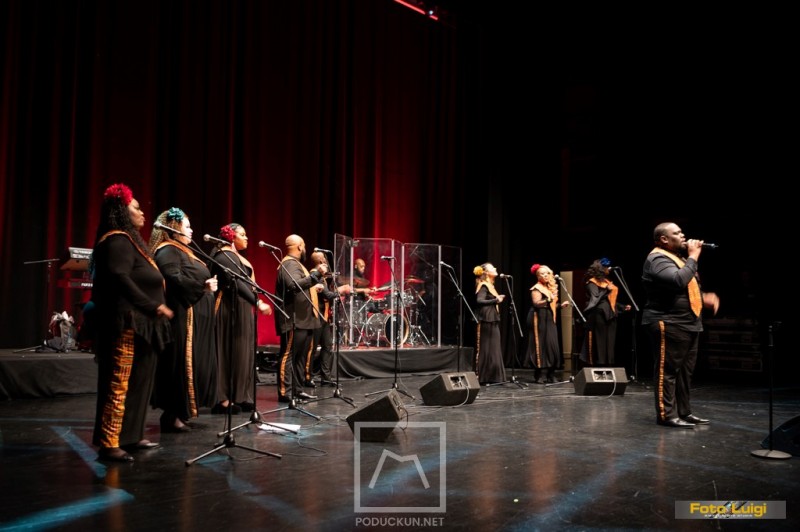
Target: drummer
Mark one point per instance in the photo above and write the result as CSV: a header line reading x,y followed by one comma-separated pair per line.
x,y
360,282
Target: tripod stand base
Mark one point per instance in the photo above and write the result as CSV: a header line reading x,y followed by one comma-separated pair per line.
x,y
771,454
228,443
293,406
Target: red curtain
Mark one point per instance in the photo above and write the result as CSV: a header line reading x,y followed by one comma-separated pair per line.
x,y
311,116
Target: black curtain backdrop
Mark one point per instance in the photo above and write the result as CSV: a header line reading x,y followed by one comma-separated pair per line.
x,y
519,135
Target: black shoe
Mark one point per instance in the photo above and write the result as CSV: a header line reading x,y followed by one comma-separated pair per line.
x,y
676,423
247,407
306,396
310,384
113,454
284,399
691,418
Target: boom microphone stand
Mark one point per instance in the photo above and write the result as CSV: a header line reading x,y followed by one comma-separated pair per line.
x,y
255,416
337,391
229,441
451,275
621,278
512,309
396,325
44,346
577,310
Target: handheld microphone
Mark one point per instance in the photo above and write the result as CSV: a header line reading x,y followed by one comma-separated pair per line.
x,y
323,250
504,276
387,257
443,263
159,225
218,241
263,244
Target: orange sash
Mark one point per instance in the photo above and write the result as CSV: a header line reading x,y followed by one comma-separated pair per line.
x,y
695,299
312,292
613,291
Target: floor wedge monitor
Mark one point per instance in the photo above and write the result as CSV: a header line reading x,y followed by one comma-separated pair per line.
x,y
601,381
450,389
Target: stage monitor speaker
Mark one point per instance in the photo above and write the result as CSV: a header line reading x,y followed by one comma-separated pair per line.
x,y
786,438
450,389
601,381
388,408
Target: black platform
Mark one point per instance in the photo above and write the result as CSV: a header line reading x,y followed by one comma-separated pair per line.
x,y
535,458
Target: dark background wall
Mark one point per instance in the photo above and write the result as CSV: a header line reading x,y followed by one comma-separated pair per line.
x,y
519,134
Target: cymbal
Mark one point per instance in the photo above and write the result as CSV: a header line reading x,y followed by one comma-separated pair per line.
x,y
384,288
414,280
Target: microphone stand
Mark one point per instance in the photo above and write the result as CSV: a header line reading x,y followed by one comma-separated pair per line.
x,y
396,333
450,273
337,391
512,309
229,440
770,452
634,353
293,400
577,311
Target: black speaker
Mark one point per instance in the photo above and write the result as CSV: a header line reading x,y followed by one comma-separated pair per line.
x,y
450,389
601,381
786,438
387,409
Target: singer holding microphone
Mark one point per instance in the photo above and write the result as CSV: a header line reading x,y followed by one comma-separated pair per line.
x,y
601,312
236,327
489,365
672,316
544,351
186,376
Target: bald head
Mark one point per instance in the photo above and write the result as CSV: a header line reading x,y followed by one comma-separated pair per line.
x,y
318,258
296,247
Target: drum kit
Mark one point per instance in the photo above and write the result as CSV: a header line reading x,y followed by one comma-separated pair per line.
x,y
375,317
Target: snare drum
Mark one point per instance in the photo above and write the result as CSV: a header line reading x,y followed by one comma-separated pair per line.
x,y
380,329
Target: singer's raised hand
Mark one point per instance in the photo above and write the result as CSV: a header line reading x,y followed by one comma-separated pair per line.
x,y
212,284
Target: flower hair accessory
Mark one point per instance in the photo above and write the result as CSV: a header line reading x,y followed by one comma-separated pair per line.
x,y
478,271
535,268
227,233
605,262
174,214
120,192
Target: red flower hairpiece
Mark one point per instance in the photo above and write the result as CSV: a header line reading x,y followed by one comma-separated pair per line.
x,y
535,268
120,192
227,233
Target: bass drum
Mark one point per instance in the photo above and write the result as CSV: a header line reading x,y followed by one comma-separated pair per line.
x,y
380,329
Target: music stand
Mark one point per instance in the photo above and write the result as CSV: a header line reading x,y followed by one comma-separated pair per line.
x,y
396,324
44,347
229,441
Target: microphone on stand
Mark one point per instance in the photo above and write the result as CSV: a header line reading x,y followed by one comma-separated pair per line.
x,y
443,263
387,257
323,250
263,244
505,276
159,225
218,241
557,278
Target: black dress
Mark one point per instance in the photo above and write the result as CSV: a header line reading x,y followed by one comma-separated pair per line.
x,y
186,378
489,364
543,345
236,330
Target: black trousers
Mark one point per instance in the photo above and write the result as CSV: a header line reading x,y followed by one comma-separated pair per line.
x,y
675,357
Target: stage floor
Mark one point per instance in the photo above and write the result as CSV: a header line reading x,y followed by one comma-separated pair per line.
x,y
519,457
